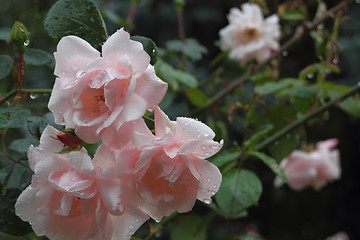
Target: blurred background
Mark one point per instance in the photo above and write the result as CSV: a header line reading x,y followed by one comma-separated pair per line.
x,y
280,214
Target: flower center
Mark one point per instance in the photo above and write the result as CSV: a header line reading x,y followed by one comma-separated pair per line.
x,y
248,35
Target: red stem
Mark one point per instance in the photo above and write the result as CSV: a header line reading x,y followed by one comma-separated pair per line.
x,y
20,77
181,26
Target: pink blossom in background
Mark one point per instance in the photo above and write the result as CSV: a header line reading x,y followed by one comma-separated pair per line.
x,y
313,169
97,93
168,172
339,236
248,35
74,197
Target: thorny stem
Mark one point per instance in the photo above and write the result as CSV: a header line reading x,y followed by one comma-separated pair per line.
x,y
130,17
304,119
305,29
20,77
24,90
181,26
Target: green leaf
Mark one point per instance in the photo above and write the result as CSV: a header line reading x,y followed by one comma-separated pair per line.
x,y
271,88
149,47
33,125
186,78
18,118
304,92
350,105
9,222
21,145
190,47
239,190
271,163
5,34
294,15
283,147
167,73
48,119
37,57
190,227
221,159
3,122
81,18
5,65
308,71
196,97
258,135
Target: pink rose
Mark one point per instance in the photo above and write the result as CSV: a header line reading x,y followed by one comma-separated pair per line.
x,y
248,35
314,168
74,197
168,172
96,94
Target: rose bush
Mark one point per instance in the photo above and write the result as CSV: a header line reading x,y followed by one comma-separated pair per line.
x,y
248,35
314,168
97,93
168,172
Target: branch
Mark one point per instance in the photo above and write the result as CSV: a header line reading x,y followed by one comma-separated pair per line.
x,y
307,117
305,29
24,90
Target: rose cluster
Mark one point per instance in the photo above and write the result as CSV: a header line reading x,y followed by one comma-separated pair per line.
x,y
134,174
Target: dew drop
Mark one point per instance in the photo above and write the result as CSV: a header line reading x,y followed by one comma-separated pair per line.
x,y
26,42
203,147
63,73
208,180
285,53
214,147
33,95
199,136
214,186
207,201
206,134
74,67
310,76
320,26
335,60
207,153
131,226
212,192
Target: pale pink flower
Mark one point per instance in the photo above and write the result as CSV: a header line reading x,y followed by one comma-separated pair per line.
x,y
313,169
339,236
96,94
74,197
248,35
168,172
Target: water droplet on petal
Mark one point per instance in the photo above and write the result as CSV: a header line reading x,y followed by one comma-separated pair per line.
x,y
208,179
214,147
214,186
33,95
74,67
206,134
212,192
207,153
63,73
207,201
203,147
131,226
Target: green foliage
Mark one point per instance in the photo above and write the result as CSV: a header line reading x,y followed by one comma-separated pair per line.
x,y
191,227
196,97
81,18
38,57
190,48
239,190
271,163
174,76
5,65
